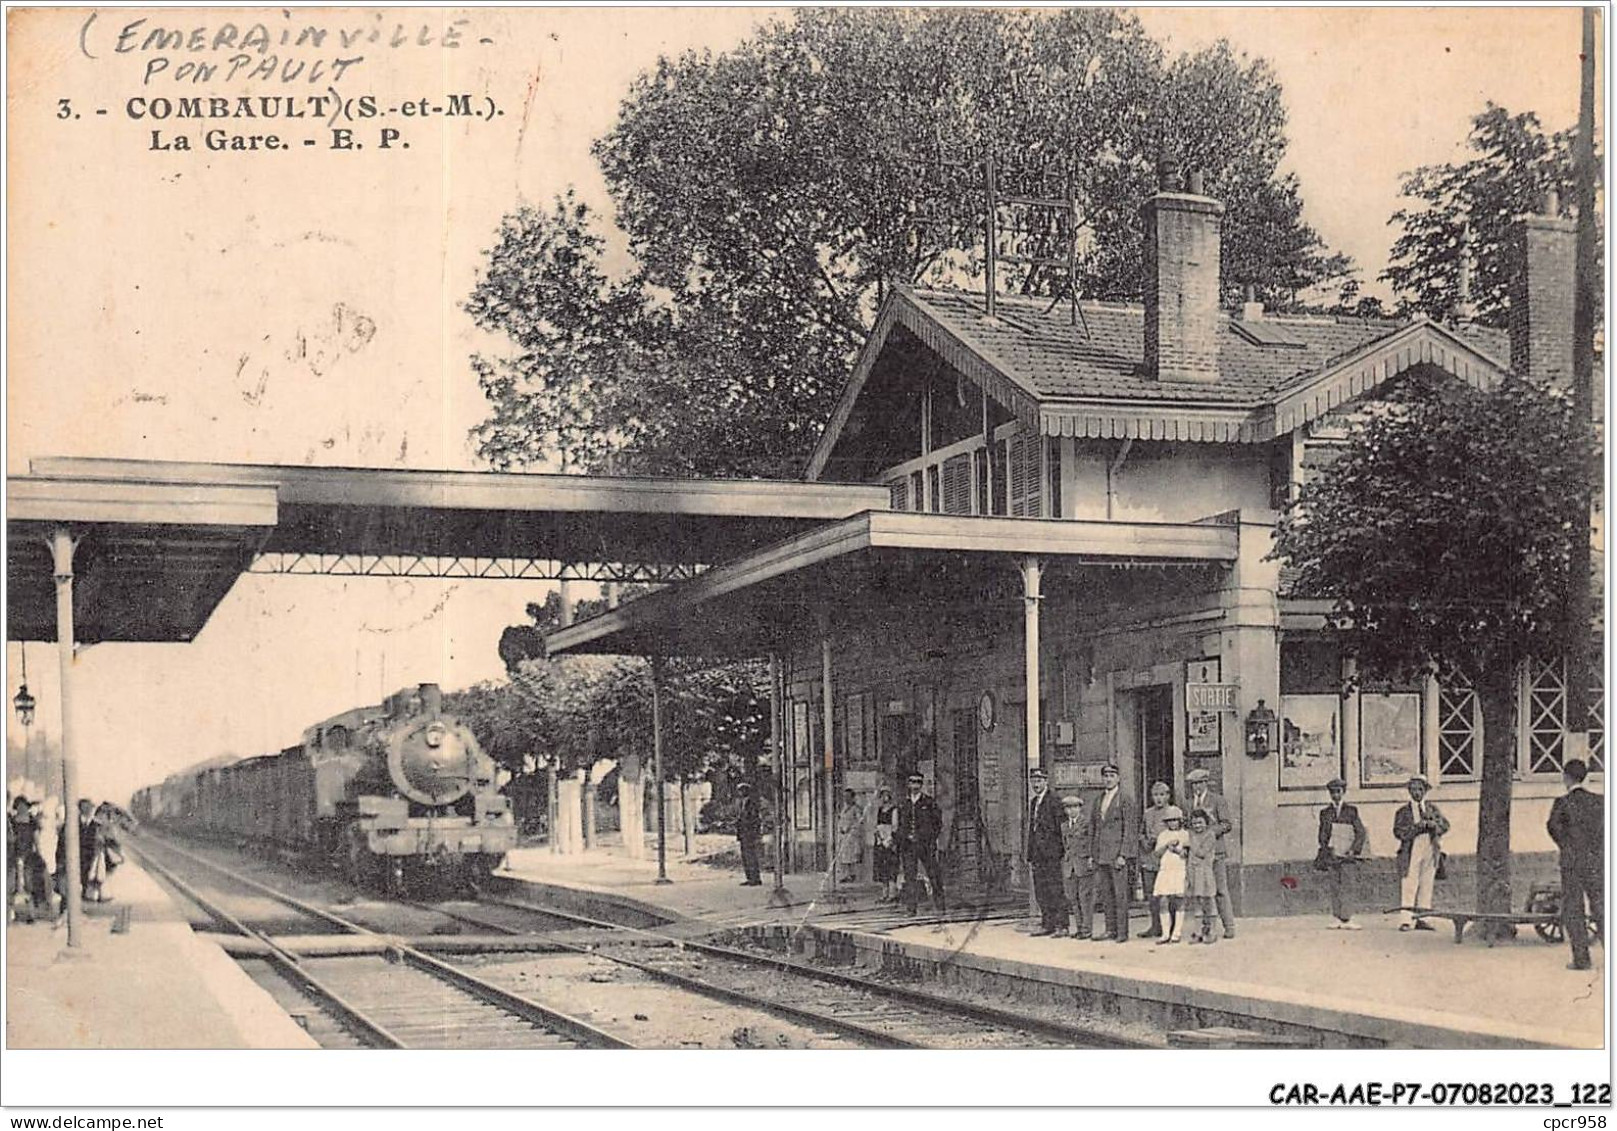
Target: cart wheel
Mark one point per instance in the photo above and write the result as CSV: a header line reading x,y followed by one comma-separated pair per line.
x,y
1549,932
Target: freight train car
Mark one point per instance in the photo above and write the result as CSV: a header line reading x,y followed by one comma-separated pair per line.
x,y
391,795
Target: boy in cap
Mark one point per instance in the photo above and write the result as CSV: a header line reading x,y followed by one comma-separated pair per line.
x,y
1331,861
1077,867
1418,828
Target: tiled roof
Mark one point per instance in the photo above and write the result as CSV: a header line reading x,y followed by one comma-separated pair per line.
x,y
1102,358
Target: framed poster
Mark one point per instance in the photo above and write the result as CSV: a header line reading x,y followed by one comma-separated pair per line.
x,y
1202,727
1389,738
1310,740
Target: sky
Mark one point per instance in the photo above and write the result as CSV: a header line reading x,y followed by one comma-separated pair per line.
x,y
303,307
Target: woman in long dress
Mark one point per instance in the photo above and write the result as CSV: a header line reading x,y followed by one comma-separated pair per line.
x,y
850,836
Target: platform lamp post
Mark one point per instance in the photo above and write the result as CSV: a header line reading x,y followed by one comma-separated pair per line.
x,y
24,704
62,546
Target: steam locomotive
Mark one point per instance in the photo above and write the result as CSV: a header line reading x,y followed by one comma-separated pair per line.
x,y
393,796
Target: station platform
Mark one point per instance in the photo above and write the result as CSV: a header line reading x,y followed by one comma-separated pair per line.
x,y
1288,976
151,984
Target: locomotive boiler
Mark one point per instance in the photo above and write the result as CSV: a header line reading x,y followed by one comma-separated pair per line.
x,y
390,795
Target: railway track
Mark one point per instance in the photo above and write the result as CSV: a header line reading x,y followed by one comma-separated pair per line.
x,y
401,998
878,1013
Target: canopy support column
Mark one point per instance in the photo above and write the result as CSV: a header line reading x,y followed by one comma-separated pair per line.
x,y
62,546
657,758
780,897
827,727
1032,570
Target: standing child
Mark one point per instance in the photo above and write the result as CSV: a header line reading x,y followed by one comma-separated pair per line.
x,y
1201,884
1151,827
1078,867
1172,844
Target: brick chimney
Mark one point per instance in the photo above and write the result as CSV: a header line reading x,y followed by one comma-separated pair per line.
x,y
1541,296
1181,282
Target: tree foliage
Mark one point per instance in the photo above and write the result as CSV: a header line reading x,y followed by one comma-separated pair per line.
x,y
1514,165
1442,535
772,193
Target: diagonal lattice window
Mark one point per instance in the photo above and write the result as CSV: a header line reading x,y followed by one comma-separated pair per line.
x,y
1597,717
1546,716
1457,729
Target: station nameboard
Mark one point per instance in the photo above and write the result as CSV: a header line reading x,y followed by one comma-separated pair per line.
x,y
1211,696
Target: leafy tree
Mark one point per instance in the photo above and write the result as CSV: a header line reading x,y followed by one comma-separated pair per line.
x,y
1443,536
1515,164
772,193
571,331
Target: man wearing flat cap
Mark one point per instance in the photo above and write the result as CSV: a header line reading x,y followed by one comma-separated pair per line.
x,y
1044,851
1418,827
1218,811
1342,836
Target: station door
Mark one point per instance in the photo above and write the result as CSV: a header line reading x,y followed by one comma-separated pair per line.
x,y
967,799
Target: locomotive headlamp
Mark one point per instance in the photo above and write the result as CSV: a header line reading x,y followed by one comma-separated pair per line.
x,y
434,736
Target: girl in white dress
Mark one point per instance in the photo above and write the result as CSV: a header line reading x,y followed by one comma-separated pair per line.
x,y
1172,845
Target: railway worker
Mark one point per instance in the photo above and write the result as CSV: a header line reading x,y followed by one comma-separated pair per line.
x,y
1114,829
920,824
1203,797
1044,851
1578,826
1418,827
749,833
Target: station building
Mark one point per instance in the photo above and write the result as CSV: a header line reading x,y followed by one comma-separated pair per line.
x,y
1073,570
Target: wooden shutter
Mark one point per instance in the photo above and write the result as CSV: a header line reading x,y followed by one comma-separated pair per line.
x,y
957,484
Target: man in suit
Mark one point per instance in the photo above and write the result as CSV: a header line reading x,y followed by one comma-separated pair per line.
x,y
1578,826
1044,847
920,823
1418,827
1213,804
1114,828
1332,862
749,832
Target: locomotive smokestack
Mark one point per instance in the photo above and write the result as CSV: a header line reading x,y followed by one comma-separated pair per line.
x,y
432,698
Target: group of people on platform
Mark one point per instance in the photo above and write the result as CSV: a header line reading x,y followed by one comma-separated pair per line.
x,y
31,891
1082,859
1083,856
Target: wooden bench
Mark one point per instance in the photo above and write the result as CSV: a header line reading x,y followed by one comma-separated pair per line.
x,y
1463,919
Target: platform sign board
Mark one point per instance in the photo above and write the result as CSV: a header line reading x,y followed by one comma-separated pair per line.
x,y
1211,696
1202,734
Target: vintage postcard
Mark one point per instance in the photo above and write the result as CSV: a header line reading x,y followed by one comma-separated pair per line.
x,y
1074,531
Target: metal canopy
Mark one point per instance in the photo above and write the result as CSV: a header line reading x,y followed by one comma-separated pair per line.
x,y
154,560
163,542
860,570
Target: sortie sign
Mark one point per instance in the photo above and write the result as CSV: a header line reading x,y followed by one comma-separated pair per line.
x,y
1210,696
